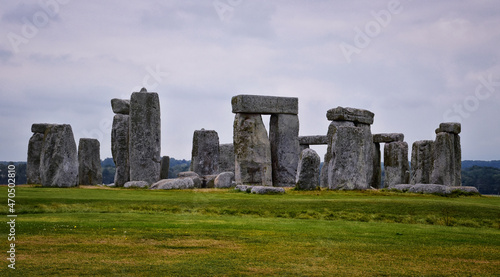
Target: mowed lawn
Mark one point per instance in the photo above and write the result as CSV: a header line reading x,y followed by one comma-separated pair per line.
x,y
208,232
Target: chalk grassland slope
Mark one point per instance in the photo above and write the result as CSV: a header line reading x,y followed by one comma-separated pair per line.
x,y
97,231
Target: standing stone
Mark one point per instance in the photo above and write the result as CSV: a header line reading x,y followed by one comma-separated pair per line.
x,y
396,163
89,162
226,157
284,139
59,159
421,161
308,170
119,148
377,166
205,152
34,153
145,137
349,168
332,129
164,167
252,151
447,160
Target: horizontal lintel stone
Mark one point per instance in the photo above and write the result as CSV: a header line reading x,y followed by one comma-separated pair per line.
x,y
388,137
313,140
350,114
259,104
40,127
449,127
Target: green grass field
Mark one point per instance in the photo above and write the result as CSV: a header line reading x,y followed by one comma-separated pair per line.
x,y
209,232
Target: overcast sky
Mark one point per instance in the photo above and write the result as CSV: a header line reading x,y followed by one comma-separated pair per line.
x,y
414,64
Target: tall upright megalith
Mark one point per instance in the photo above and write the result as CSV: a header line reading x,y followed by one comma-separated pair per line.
x,y
59,159
285,148
119,148
447,162
145,137
422,161
396,163
205,152
226,157
35,146
89,162
308,170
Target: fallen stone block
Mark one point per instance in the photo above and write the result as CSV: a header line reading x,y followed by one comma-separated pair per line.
x,y
136,184
267,190
224,180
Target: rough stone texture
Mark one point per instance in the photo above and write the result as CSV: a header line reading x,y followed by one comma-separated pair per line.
x,y
224,180
164,167
205,152
35,146
285,150
226,157
396,163
449,127
351,166
258,104
188,174
332,129
120,106
429,188
401,187
267,190
252,151
145,137
243,188
89,162
313,140
40,127
388,137
119,148
447,162
208,181
59,159
350,114
377,166
464,189
421,161
308,170
136,184
178,183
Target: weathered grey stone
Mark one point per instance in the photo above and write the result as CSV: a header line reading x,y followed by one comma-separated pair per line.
x,y
429,188
164,167
466,189
401,187
178,183
332,129
224,180
351,166
421,161
205,152
35,146
243,188
350,114
119,148
89,162
447,162
120,106
59,159
136,184
396,163
388,137
313,140
259,104
208,181
252,151
40,127
145,137
226,157
188,174
308,170
377,166
284,139
449,127
267,190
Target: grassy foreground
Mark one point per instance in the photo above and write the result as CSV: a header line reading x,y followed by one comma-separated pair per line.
x,y
119,232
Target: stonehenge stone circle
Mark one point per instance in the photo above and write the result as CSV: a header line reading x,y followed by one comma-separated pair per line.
x,y
144,136
350,114
59,159
119,148
89,162
447,161
120,106
205,152
308,170
396,163
34,154
226,157
252,150
284,139
388,137
422,161
258,104
164,167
